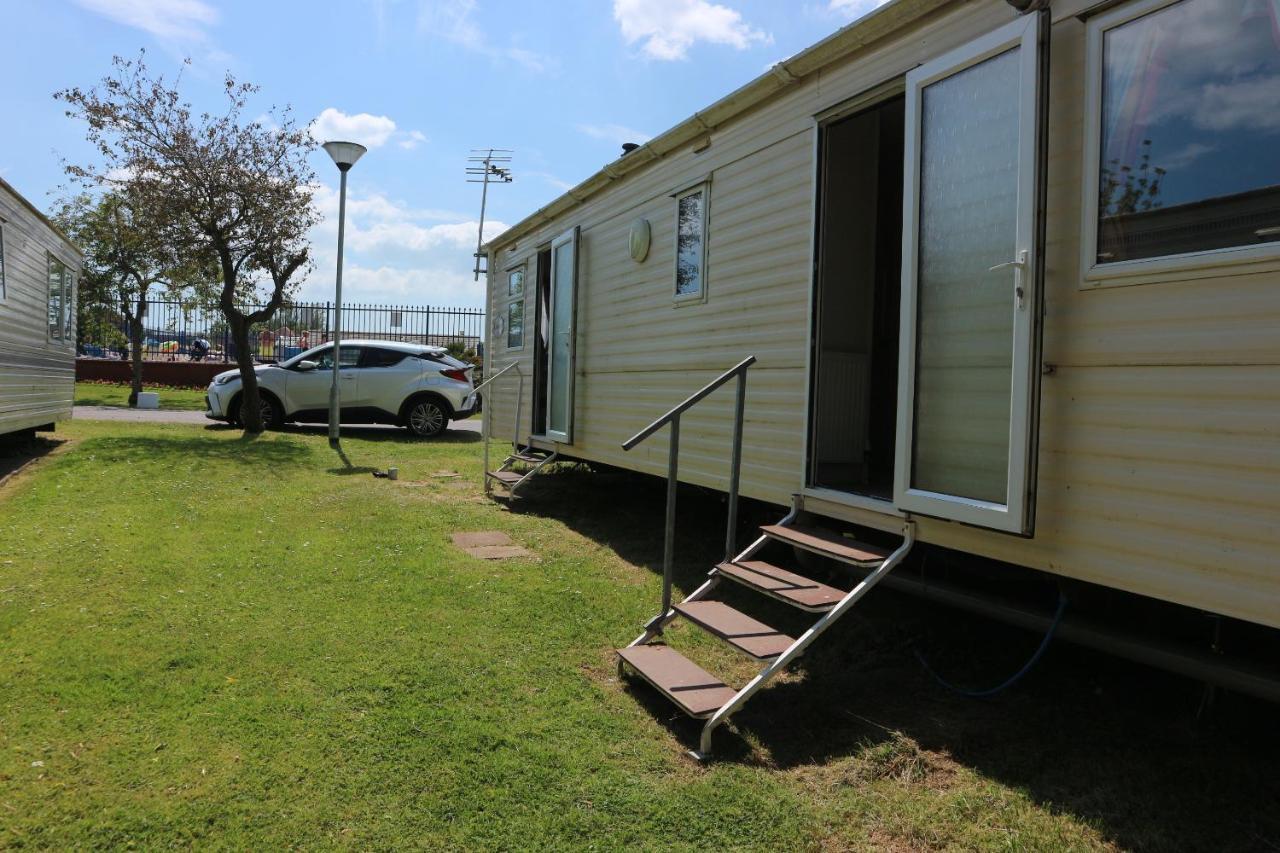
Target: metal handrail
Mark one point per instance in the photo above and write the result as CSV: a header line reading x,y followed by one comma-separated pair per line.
x,y
689,402
672,417
496,375
486,421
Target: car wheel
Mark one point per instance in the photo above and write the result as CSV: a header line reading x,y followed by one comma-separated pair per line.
x,y
272,413
425,417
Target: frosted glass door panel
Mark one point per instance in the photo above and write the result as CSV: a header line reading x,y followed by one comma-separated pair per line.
x,y
560,390
967,378
969,162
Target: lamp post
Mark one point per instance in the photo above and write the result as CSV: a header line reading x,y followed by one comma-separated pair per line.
x,y
345,155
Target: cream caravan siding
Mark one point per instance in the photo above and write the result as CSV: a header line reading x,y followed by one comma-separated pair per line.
x,y
1159,443
37,376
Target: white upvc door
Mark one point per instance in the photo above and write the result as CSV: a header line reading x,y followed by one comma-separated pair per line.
x,y
560,353
970,301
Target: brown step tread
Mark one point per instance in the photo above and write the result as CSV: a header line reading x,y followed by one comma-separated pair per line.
x,y
736,628
694,690
781,584
829,544
532,460
509,478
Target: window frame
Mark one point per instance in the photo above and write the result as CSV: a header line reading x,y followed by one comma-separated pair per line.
x,y
1156,269
702,185
65,289
510,299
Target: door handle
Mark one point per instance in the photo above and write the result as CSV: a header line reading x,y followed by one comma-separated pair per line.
x,y
1019,272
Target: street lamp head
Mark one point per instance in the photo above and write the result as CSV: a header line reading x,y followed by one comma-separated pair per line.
x,y
345,154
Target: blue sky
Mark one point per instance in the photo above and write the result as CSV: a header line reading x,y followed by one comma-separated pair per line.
x,y
421,82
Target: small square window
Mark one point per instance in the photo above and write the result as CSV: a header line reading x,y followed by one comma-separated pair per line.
x,y
515,325
691,244
1183,132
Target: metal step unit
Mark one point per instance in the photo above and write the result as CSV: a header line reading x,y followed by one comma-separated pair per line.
x,y
531,460
695,691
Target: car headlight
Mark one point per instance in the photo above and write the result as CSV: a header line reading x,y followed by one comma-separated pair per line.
x,y
223,380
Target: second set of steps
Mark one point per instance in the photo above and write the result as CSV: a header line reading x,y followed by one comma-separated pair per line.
x,y
528,460
702,695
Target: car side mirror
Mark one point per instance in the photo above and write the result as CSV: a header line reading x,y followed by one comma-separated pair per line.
x,y
305,366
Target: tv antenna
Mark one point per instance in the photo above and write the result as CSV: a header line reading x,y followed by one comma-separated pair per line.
x,y
485,166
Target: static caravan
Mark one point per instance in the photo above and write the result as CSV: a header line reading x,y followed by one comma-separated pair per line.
x,y
39,268
1010,275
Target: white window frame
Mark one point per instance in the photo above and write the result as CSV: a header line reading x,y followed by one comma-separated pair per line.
x,y
702,186
509,300
569,238
1142,270
1014,515
65,288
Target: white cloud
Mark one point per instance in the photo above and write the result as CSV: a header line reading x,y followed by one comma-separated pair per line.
x,y
553,180
668,28
396,252
387,283
453,20
377,207
615,133
369,130
167,20
1184,156
854,8
412,237
412,139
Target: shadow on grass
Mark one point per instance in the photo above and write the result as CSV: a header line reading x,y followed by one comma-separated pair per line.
x,y
246,450
17,451
347,468
1115,744
394,435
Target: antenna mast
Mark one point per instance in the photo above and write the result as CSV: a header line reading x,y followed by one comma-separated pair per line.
x,y
485,165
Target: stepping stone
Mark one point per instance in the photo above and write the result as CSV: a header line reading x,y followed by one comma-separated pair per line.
x,y
489,545
477,538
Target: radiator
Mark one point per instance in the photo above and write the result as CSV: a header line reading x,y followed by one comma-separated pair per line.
x,y
843,396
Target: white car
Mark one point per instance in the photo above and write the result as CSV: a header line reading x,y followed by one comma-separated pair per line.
x,y
419,387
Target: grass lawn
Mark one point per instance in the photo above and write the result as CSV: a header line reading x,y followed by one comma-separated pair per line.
x,y
117,394
250,644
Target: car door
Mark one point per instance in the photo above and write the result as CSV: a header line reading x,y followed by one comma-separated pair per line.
x,y
386,377
308,390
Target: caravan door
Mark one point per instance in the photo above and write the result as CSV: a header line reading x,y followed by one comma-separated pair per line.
x,y
560,352
967,381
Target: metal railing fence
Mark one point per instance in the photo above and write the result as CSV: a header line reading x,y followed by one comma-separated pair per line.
x,y
171,328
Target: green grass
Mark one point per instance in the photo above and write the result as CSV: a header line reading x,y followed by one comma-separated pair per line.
x,y
117,394
242,643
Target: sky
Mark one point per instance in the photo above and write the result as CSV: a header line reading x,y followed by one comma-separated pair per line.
x,y
420,82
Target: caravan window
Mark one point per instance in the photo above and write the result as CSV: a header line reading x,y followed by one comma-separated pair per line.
x,y
515,324
1186,118
691,243
514,320
59,299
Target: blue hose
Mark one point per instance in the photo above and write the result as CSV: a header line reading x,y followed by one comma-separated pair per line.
x,y
1013,679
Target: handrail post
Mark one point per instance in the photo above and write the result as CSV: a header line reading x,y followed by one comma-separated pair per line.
x,y
669,542
735,468
515,440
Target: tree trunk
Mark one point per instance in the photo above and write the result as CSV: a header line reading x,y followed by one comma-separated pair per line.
x,y
136,333
250,410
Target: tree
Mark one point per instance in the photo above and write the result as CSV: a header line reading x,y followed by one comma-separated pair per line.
x,y
123,264
216,190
